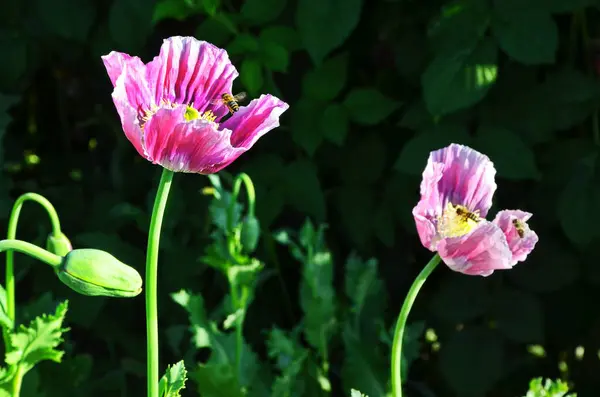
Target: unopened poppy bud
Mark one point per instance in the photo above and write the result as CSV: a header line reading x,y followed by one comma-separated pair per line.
x,y
250,233
58,244
97,273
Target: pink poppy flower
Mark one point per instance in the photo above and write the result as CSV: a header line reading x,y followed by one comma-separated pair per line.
x,y
456,195
171,111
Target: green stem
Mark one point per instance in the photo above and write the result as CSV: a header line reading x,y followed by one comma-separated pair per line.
x,y
237,184
32,250
399,332
16,383
12,234
158,211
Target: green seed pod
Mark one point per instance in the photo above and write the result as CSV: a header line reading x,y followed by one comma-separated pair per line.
x,y
250,233
97,273
58,245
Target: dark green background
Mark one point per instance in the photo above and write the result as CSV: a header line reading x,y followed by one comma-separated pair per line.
x,y
373,86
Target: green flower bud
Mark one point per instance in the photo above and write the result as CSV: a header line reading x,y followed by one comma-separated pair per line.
x,y
97,273
58,245
250,233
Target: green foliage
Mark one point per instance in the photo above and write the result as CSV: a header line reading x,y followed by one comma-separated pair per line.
x,y
549,388
173,381
325,25
29,345
373,88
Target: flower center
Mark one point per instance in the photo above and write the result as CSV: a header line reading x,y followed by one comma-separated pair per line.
x,y
456,221
193,114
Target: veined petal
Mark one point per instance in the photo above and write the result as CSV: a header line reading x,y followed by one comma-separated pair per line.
x,y
521,239
426,225
461,176
190,71
129,118
114,63
195,146
253,121
480,252
132,86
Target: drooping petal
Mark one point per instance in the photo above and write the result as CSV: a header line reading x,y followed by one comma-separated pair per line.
x,y
195,146
253,121
478,253
521,239
460,175
189,71
426,225
114,63
129,117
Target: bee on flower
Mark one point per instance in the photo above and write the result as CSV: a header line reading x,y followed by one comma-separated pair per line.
x,y
456,195
169,113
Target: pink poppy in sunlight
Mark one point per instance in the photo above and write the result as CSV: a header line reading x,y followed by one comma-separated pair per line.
x,y
456,195
171,108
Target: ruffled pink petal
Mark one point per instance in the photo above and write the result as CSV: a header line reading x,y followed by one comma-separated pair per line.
x,y
129,117
132,86
114,63
478,253
253,121
188,146
190,71
519,246
426,225
460,175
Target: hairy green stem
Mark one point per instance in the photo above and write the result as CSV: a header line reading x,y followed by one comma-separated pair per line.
x,y
12,234
158,211
401,324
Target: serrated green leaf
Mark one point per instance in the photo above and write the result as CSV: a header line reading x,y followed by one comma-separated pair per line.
x,y
356,393
173,381
508,152
415,152
530,38
455,81
369,106
327,80
334,124
37,342
325,25
251,75
290,358
471,361
549,388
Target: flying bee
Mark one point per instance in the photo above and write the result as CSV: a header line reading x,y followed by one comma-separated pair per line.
x,y
231,101
466,214
519,227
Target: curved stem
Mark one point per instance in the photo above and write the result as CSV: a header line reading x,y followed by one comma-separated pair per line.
x,y
158,211
237,184
12,234
32,250
401,323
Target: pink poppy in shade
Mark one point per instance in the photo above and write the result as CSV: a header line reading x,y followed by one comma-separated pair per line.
x,y
172,111
456,195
